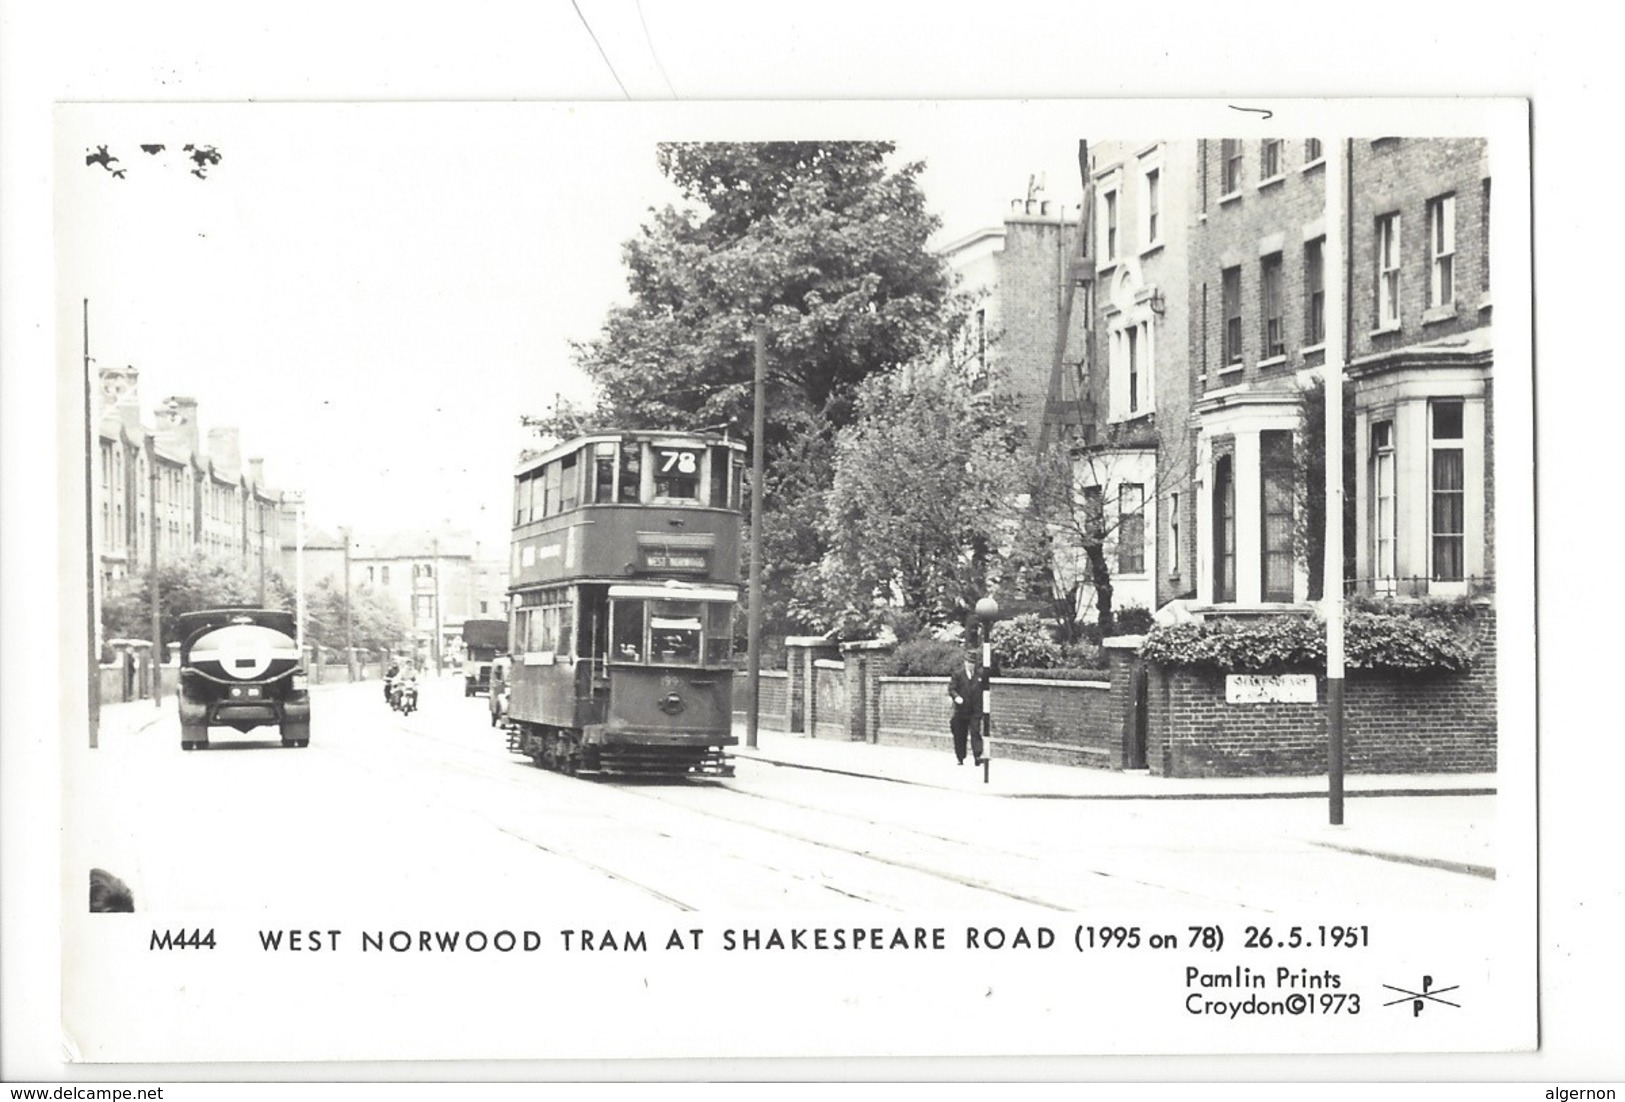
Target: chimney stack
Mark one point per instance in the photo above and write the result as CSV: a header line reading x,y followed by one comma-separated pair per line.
x,y
256,472
120,397
176,422
225,450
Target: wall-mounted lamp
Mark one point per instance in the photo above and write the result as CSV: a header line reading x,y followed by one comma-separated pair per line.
x,y
1159,305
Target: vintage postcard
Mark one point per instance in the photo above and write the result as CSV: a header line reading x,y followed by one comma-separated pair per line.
x,y
632,582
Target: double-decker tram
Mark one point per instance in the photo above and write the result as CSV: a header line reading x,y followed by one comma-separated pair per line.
x,y
624,582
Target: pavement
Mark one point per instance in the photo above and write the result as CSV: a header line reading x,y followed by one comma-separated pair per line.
x,y
1405,818
1408,818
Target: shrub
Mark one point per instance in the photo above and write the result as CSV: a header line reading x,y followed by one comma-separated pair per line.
x,y
1082,656
1059,673
1371,640
927,657
1378,641
1265,646
1133,620
1024,642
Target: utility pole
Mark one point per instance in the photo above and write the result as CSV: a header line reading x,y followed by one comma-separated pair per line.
x,y
298,500
93,611
152,571
1333,570
349,637
753,653
259,514
434,577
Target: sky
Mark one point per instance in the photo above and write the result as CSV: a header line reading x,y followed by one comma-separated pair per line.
x,y
373,295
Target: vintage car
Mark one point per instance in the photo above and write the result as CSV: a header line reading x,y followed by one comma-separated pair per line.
x,y
241,668
498,691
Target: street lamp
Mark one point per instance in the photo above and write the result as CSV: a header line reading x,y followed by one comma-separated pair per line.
x,y
297,500
987,614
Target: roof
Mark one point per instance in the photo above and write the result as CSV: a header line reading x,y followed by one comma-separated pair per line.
x,y
415,545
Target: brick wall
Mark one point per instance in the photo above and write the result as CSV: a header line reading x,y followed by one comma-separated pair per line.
x,y
1393,723
773,703
1059,722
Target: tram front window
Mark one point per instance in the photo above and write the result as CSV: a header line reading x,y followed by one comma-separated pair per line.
x,y
719,633
626,632
674,632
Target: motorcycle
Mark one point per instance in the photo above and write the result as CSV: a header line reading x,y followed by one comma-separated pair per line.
x,y
405,700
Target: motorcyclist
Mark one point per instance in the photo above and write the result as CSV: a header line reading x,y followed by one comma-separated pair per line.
x,y
406,683
390,675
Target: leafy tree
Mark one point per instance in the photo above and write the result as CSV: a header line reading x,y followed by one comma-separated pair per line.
x,y
200,582
924,501
1076,494
186,585
375,623
823,241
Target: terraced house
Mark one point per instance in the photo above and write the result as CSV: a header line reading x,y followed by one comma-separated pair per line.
x,y
1414,236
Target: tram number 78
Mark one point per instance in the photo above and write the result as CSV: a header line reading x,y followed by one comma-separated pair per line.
x,y
682,462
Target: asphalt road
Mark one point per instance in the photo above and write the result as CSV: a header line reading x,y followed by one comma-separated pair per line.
x,y
431,811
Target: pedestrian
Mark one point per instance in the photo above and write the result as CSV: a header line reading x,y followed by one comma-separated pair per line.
x,y
965,687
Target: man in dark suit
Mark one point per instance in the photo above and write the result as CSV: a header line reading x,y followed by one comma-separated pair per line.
x,y
965,687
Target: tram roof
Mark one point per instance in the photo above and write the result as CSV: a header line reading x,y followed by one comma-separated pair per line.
x,y
673,436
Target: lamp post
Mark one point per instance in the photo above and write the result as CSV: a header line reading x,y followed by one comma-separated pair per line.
x,y
349,623
987,614
297,500
155,608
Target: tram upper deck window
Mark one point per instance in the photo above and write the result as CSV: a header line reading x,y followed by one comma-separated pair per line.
x,y
603,472
677,473
631,491
570,483
719,478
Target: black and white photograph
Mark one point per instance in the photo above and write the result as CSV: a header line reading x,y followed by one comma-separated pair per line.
x,y
646,567
881,571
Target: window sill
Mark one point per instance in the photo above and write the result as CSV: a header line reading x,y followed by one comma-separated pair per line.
x,y
1230,197
1312,349
1272,361
1384,330
1279,177
1108,265
1151,249
1436,314
1318,162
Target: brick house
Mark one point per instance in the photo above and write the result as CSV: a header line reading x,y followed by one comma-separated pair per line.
x,y
1418,355
206,499
1137,464
1017,273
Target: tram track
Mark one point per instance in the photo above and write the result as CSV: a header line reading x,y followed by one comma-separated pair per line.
x,y
430,748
